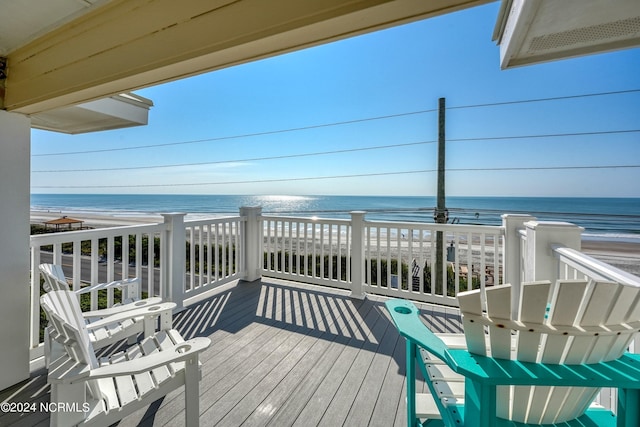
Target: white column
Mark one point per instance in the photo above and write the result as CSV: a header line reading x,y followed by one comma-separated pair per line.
x,y
15,168
540,262
252,241
512,255
357,254
176,265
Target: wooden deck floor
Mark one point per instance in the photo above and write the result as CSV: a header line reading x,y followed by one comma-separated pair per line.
x,y
282,354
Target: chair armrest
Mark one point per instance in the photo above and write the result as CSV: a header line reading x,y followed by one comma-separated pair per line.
x,y
405,317
121,308
150,311
130,285
69,371
178,353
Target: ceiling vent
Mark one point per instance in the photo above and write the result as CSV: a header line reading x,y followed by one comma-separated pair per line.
x,y
534,31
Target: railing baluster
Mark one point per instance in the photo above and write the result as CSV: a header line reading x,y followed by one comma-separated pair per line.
x,y
322,252
217,252
150,264
125,256
298,251
110,269
378,259
313,242
57,253
192,260
77,264
224,251
330,269
94,271
432,261
483,267
201,265
290,245
209,249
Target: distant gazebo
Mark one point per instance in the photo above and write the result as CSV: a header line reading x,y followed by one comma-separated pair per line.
x,y
64,221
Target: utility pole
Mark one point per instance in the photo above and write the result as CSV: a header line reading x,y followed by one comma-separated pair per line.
x,y
441,215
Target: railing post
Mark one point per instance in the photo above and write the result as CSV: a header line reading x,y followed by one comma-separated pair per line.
x,y
512,224
252,242
175,264
357,254
540,262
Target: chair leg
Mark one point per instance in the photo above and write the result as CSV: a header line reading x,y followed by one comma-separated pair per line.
x,y
70,394
192,392
628,413
479,404
411,384
47,347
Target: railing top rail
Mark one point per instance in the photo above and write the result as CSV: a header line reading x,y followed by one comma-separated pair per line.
x,y
68,236
600,269
315,220
218,220
463,228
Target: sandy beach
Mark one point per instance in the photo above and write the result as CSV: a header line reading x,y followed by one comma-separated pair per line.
x,y
93,220
622,254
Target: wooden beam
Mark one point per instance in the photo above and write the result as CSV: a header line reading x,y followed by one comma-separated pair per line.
x,y
129,44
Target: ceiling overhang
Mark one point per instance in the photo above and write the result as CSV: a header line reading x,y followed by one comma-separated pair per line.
x,y
128,44
115,112
535,31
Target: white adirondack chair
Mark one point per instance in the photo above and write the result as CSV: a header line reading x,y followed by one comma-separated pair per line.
x,y
54,279
573,323
101,392
110,325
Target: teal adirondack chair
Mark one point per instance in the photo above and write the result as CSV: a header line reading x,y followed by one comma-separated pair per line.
x,y
544,367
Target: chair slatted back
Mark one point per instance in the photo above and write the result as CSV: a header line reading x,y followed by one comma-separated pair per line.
x,y
572,322
54,278
63,311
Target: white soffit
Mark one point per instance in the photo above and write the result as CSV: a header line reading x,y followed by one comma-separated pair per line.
x,y
534,31
115,112
22,21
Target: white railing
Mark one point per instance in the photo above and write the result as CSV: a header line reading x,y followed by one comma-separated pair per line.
x,y
395,259
97,256
307,250
573,264
176,260
402,259
183,261
214,254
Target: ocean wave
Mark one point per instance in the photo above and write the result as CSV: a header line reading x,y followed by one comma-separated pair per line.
x,y
618,237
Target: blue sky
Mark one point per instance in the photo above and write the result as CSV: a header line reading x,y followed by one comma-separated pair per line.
x,y
387,73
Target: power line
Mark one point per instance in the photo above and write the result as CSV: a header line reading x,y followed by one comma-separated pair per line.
x,y
313,178
247,135
549,135
349,150
556,98
238,182
323,125
537,168
217,162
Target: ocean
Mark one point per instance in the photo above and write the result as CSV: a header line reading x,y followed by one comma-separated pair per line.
x,y
601,217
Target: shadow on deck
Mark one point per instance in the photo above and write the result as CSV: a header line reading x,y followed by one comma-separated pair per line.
x,y
282,354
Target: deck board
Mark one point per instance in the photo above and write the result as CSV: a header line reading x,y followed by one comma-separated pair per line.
x,y
282,354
